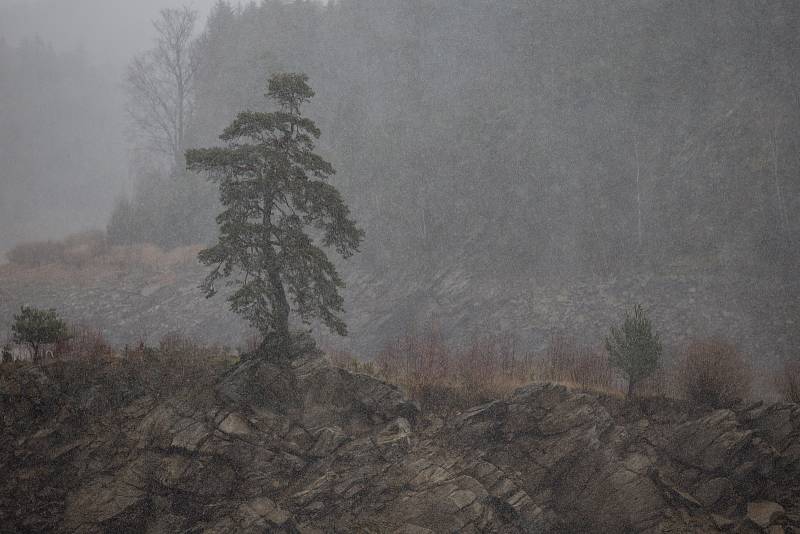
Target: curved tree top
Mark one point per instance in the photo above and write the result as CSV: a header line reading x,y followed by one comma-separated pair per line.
x,y
279,212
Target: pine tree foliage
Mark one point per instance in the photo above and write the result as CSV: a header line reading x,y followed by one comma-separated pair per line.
x,y
634,348
279,214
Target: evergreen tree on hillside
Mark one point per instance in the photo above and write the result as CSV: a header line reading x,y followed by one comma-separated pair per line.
x,y
273,189
634,348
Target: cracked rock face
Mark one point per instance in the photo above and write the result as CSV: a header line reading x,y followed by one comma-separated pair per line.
x,y
306,447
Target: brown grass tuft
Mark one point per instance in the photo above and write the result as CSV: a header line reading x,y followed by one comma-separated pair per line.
x,y
84,343
584,368
88,256
189,363
714,373
418,363
149,257
489,368
75,251
444,378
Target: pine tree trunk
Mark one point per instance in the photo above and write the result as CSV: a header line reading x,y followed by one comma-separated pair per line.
x,y
281,311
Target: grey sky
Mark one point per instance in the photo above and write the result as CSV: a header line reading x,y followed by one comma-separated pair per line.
x,y
110,33
109,30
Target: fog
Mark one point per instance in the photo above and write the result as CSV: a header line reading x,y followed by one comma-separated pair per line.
x,y
653,130
64,150
515,144
110,31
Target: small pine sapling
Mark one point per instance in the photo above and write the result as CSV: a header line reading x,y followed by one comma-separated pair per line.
x,y
634,348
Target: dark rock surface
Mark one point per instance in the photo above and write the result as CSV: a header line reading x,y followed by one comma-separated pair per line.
x,y
311,448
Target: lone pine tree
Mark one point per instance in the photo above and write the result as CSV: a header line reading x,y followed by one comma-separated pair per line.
x,y
279,212
634,348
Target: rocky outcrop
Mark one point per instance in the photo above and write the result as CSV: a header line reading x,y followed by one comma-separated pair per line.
x,y
306,447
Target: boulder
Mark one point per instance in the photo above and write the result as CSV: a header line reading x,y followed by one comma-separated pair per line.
x,y
722,523
711,491
764,513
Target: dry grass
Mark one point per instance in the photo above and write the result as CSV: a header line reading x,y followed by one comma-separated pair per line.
x,y
178,363
149,257
84,342
579,367
422,365
448,378
178,366
713,373
74,251
665,382
441,377
89,257
158,266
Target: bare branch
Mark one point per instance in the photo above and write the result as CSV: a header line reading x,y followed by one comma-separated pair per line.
x,y
160,84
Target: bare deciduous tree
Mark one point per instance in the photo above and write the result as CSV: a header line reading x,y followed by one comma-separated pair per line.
x,y
160,84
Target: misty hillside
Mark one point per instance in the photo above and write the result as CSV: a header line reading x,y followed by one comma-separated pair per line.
x,y
61,142
546,138
539,137
527,167
530,167
141,295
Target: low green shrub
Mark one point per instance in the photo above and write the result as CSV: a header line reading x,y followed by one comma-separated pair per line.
x,y
36,328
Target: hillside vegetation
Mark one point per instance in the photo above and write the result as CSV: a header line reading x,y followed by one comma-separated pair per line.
x,y
141,293
579,137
